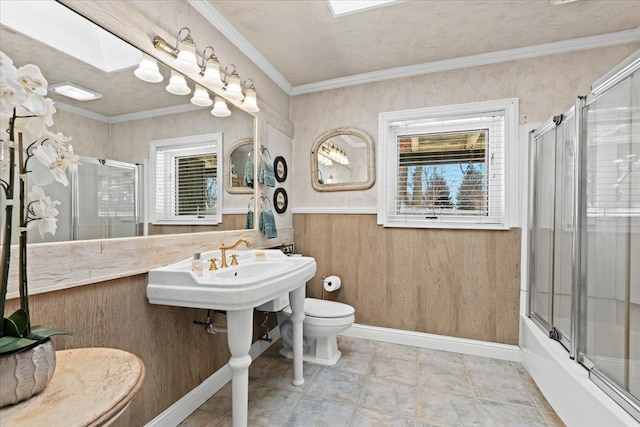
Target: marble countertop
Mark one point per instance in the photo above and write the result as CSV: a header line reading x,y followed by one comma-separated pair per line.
x,y
90,387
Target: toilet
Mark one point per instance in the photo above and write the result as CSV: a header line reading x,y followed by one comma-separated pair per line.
x,y
322,322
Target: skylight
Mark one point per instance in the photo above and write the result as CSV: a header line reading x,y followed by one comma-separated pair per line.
x,y
42,21
345,7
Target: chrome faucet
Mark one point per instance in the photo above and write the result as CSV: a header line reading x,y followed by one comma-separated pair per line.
x,y
223,251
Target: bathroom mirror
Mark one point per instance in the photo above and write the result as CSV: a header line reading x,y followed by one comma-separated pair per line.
x,y
238,167
342,159
118,125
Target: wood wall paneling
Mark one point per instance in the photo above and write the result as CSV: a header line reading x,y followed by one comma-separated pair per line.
x,y
460,283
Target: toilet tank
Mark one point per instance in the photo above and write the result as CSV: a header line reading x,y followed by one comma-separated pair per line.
x,y
276,304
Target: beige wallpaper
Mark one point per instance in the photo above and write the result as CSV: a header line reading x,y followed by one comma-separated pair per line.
x,y
545,86
89,137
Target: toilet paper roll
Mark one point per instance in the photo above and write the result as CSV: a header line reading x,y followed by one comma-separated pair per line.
x,y
331,283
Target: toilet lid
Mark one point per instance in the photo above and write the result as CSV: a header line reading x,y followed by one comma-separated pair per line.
x,y
327,309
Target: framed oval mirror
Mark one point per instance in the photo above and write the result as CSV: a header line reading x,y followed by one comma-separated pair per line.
x,y
239,157
342,159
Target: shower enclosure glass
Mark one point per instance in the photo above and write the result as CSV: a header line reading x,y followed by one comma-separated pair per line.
x,y
585,232
552,226
611,238
100,202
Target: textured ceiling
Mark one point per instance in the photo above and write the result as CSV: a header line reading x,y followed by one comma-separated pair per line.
x,y
123,93
306,44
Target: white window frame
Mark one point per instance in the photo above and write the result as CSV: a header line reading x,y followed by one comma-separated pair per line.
x,y
205,141
387,167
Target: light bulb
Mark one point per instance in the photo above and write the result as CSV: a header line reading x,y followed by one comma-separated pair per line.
x,y
148,70
233,91
186,60
212,74
250,102
201,97
220,108
178,85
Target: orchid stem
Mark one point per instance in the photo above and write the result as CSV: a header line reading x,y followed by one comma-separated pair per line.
x,y
22,263
8,218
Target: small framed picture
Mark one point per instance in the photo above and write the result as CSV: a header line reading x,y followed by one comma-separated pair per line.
x,y
280,168
280,200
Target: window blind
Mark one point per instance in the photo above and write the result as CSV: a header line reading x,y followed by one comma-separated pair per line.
x,y
186,182
447,169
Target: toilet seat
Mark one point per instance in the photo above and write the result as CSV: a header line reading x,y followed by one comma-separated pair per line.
x,y
321,309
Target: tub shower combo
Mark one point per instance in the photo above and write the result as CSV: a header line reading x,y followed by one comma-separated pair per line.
x,y
584,233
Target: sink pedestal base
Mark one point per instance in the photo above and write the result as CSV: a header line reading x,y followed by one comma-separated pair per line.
x,y
239,336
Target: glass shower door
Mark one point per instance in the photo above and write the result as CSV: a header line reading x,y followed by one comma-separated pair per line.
x,y
564,230
106,200
611,232
552,227
541,272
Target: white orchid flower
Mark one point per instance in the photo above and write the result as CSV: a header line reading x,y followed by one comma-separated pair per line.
x,y
70,158
45,210
36,86
12,91
34,126
54,167
58,138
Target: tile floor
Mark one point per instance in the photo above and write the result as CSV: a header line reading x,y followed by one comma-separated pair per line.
x,y
381,384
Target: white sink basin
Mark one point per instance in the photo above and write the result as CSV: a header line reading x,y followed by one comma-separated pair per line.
x,y
254,281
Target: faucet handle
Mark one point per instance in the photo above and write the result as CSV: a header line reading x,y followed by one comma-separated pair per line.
x,y
234,259
213,265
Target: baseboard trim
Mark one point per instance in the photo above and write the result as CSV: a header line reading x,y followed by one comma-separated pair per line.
x,y
436,342
191,401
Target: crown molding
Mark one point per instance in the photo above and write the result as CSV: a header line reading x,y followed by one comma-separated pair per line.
x,y
63,106
218,21
156,112
584,43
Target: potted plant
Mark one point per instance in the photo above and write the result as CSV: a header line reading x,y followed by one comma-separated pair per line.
x,y
31,156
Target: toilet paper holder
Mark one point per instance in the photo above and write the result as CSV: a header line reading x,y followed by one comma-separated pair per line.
x,y
330,284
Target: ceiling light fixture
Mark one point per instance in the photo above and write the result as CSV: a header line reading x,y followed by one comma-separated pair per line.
x,y
225,84
74,91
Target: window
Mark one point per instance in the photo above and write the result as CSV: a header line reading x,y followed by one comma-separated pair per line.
x,y
184,184
446,166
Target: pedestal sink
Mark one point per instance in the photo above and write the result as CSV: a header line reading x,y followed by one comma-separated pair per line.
x,y
259,277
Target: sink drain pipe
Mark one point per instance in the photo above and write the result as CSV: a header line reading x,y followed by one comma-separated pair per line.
x,y
209,326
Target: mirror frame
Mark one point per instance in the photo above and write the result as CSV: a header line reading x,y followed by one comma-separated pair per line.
x,y
227,167
343,186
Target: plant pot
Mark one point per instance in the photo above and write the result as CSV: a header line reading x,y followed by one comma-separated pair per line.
x,y
27,373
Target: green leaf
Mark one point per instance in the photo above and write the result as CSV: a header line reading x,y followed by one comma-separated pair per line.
x,y
10,345
10,328
18,322
40,334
